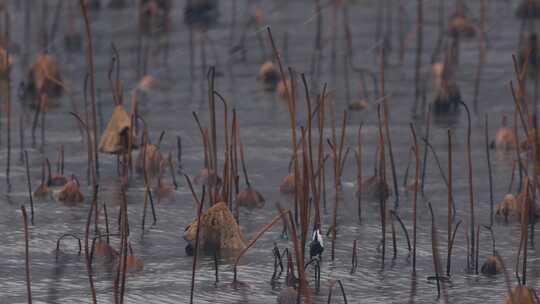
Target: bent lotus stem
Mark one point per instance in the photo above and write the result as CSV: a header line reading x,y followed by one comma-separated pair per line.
x,y
341,288
64,236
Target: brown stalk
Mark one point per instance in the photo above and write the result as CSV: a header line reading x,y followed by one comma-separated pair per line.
x,y
27,255
21,136
44,101
125,234
145,173
338,161
450,202
212,137
321,160
8,115
354,257
226,154
477,249
471,191
242,159
359,171
524,232
426,144
415,196
303,287
419,44
481,54
386,113
35,123
489,171
90,58
315,191
29,187
171,168
435,252
304,201
87,255
382,181
290,93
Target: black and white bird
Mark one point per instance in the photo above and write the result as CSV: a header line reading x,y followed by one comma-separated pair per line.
x,y
316,247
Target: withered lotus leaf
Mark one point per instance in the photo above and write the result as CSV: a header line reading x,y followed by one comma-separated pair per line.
x,y
71,193
219,230
152,160
521,295
492,266
44,78
42,191
512,206
288,184
105,252
208,177
134,264
250,199
115,139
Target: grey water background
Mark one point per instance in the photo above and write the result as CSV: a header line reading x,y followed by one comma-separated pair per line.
x,y
265,133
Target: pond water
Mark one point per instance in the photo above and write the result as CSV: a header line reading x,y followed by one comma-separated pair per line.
x,y
265,133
